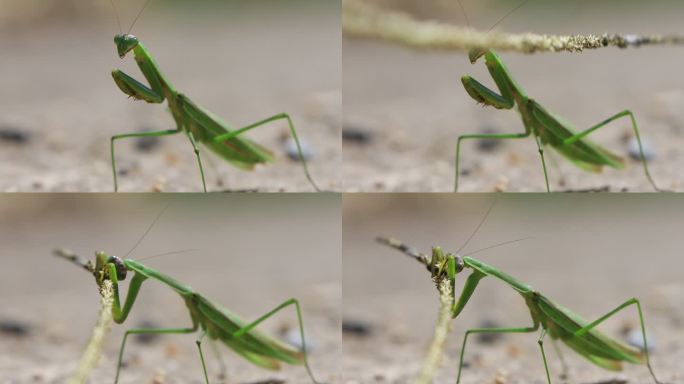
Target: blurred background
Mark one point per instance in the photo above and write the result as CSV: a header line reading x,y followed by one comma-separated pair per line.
x,y
243,60
404,109
251,254
588,253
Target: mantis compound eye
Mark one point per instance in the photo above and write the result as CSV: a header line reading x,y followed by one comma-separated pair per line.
x,y
459,264
120,267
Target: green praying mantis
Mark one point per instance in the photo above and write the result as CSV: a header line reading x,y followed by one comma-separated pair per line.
x,y
199,125
556,321
212,320
546,127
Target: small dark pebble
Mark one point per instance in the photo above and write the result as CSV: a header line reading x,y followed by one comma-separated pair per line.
x,y
488,145
356,135
488,338
14,136
611,381
592,190
146,338
356,328
14,328
246,190
146,143
268,381
293,153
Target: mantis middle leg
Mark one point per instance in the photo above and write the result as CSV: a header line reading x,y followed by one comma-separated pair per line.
x,y
490,330
199,160
154,331
136,134
486,96
482,136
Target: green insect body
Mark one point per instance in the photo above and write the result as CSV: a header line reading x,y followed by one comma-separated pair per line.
x,y
211,320
546,127
200,125
554,320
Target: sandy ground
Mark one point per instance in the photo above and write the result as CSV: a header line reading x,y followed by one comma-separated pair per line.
x,y
589,253
414,107
244,63
253,252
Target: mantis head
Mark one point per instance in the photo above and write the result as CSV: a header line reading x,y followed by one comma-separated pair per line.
x,y
443,265
100,270
475,53
439,265
125,43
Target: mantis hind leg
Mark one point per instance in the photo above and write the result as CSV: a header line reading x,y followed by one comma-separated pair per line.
x,y
632,301
482,136
272,312
137,134
489,330
222,364
147,331
635,128
564,365
293,131
199,159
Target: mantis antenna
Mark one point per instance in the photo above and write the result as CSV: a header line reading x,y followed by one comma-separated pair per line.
x,y
465,14
508,14
484,218
169,253
138,16
499,245
116,13
149,228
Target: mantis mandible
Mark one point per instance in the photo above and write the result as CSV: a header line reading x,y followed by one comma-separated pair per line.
x,y
554,320
212,320
546,127
200,125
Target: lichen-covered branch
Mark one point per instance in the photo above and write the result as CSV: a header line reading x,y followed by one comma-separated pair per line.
x,y
91,355
436,350
361,20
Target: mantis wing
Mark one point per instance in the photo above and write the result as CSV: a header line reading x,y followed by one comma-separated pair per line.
x,y
240,152
594,345
583,153
255,346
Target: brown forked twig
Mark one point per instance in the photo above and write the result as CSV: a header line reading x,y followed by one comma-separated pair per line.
x,y
360,20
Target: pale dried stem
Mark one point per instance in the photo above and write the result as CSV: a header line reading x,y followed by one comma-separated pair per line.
x,y
91,355
360,20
